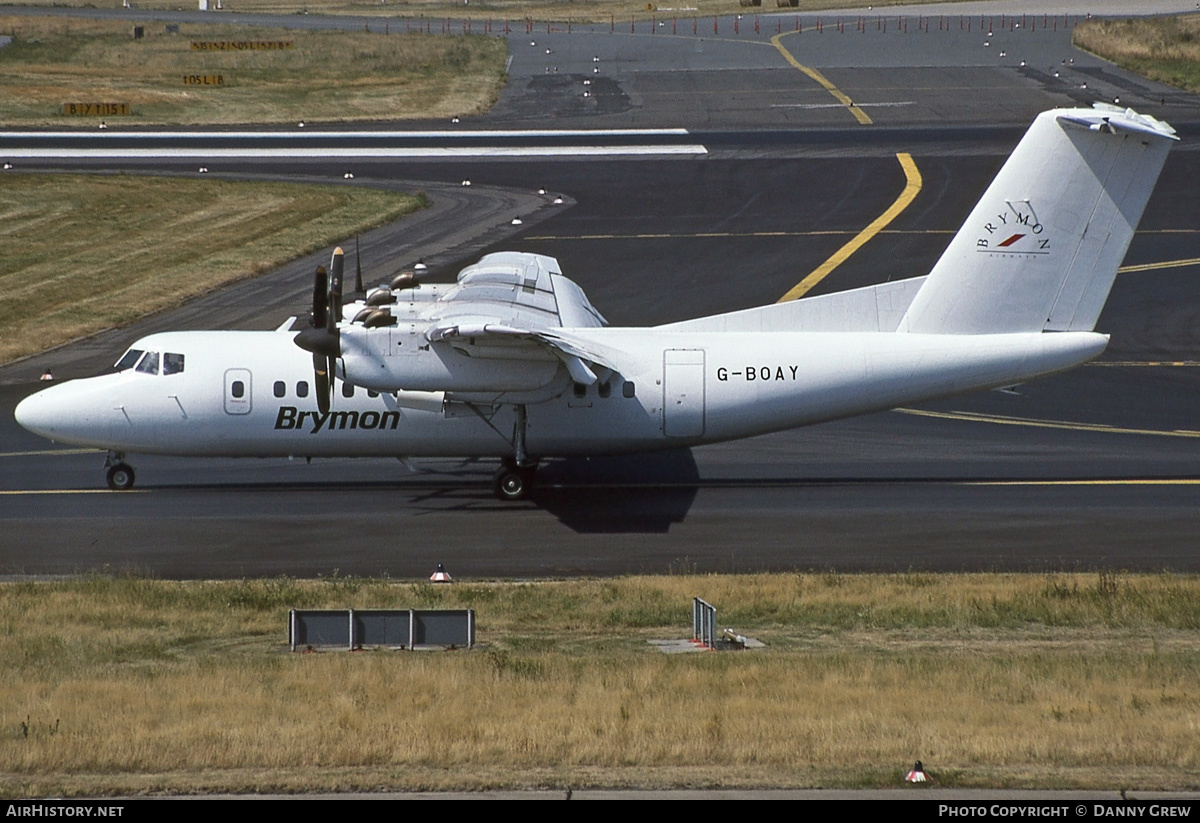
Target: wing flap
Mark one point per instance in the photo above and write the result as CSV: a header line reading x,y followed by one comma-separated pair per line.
x,y
580,357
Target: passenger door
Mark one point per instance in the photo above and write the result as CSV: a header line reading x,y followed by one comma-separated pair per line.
x,y
683,392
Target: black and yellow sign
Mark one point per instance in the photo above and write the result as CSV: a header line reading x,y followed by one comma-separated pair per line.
x,y
241,45
204,80
96,109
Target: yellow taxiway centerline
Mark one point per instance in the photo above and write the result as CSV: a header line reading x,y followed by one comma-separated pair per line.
x,y
912,188
70,491
1145,364
859,114
1166,264
1150,481
44,452
1002,420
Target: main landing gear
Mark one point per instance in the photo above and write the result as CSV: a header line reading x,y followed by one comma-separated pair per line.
x,y
513,482
120,474
514,479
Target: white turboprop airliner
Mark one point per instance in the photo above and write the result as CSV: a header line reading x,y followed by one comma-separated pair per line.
x,y
513,362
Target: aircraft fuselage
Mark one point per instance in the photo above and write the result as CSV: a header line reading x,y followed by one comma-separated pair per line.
x,y
686,389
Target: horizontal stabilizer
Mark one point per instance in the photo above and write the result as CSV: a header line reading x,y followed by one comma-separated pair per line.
x,y
870,308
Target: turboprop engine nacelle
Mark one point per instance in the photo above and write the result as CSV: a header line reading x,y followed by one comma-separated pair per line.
x,y
401,358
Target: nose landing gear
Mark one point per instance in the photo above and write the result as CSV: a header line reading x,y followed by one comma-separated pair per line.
x,y
120,474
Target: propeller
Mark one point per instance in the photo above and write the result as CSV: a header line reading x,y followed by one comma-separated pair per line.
x,y
322,339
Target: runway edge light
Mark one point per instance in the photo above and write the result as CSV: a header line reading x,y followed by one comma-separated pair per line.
x,y
441,575
916,775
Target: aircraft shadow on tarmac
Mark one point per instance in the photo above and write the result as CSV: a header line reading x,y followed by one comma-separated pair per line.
x,y
637,493
632,494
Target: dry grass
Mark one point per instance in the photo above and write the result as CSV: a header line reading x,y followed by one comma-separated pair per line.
x,y
1166,49
576,10
79,254
326,76
111,684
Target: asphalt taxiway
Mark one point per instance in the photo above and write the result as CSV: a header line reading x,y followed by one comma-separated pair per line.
x,y
1096,468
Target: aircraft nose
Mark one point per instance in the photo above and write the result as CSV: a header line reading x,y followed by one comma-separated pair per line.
x,y
36,413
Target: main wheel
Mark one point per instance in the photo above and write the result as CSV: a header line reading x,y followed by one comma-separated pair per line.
x,y
120,477
513,483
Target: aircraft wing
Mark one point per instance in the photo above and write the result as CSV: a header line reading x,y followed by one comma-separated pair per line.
x,y
581,357
519,289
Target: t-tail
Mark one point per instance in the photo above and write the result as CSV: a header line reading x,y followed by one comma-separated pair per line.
x,y
1041,249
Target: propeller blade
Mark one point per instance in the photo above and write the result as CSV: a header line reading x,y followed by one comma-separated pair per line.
x,y
320,302
337,275
323,383
332,364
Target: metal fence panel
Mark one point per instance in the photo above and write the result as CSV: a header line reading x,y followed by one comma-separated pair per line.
x,y
351,628
444,627
381,627
320,628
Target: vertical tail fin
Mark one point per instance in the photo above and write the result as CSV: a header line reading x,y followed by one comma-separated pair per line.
x,y
1042,247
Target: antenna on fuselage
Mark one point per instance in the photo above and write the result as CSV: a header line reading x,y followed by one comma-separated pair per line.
x,y
359,291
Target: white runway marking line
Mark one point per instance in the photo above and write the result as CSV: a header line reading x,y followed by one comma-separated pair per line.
x,y
325,135
840,106
318,153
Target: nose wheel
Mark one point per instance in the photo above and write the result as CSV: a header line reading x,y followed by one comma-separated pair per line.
x,y
120,474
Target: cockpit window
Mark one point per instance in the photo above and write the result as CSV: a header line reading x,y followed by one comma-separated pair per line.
x,y
149,364
172,363
129,359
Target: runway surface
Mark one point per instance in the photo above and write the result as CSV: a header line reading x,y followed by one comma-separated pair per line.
x,y
1096,468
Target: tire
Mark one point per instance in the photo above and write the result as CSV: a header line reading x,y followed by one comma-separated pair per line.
x,y
510,486
513,484
121,477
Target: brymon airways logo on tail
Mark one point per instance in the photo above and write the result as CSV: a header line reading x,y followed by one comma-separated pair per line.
x,y
1015,231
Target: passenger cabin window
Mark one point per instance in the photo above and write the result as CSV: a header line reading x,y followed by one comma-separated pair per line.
x,y
605,389
172,363
302,389
580,390
238,389
129,359
280,388
347,389
627,389
149,363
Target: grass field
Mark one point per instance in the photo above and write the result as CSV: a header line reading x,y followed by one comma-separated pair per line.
x,y
1166,49
324,76
82,253
577,10
113,685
